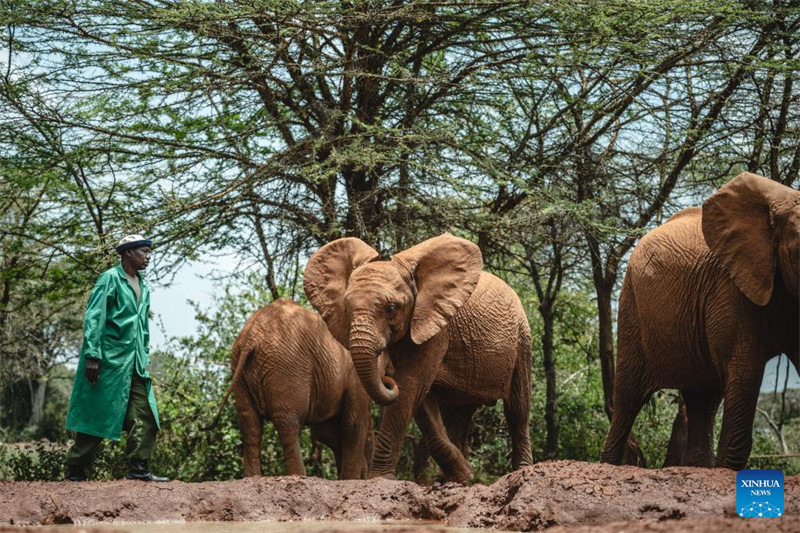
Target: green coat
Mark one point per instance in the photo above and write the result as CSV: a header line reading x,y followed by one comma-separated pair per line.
x,y
115,330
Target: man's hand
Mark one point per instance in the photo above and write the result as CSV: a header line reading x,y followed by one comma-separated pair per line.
x,y
92,370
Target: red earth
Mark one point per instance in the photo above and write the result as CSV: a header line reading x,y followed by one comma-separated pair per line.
x,y
561,496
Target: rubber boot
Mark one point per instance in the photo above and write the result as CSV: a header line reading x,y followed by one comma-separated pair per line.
x,y
139,470
75,473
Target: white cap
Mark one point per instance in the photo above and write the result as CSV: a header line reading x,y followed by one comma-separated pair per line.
x,y
132,241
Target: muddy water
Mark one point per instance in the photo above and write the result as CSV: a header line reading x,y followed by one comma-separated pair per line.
x,y
399,526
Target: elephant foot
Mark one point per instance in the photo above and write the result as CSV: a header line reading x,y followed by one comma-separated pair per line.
x,y
388,475
462,476
461,480
733,464
702,460
525,462
612,457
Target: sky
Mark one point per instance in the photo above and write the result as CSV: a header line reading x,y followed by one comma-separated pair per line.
x,y
170,305
778,365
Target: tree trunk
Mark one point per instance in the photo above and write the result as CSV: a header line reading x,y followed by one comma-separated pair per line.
x,y
551,402
420,465
262,241
606,341
38,389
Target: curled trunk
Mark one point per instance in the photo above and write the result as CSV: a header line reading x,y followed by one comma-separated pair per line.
x,y
366,351
366,347
382,389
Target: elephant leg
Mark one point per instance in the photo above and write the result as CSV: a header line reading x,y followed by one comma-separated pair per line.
x,y
630,395
354,427
627,405
389,439
458,422
701,409
678,438
453,463
252,427
420,464
739,409
631,391
517,406
414,376
288,427
354,461
327,433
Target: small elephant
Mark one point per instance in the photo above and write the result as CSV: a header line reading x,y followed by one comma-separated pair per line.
x,y
455,335
708,298
288,368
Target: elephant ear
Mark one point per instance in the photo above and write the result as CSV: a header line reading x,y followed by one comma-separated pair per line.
x,y
446,270
738,225
325,280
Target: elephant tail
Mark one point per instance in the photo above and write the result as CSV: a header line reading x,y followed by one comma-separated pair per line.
x,y
245,352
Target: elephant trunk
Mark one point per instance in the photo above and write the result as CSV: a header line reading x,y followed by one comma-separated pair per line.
x,y
365,349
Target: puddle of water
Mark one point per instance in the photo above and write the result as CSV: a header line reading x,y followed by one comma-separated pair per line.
x,y
267,527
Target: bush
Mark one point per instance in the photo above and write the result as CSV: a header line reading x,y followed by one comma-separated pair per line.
x,y
38,461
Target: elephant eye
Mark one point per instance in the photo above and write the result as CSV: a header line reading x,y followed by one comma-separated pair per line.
x,y
391,310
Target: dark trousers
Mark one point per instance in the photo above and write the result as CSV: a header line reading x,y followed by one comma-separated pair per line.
x,y
139,423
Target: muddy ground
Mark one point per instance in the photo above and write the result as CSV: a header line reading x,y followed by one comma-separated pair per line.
x,y
565,496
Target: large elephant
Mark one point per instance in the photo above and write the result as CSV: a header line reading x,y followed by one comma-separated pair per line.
x,y
288,368
455,335
708,298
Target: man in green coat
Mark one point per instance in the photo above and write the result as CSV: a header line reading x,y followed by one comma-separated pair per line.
x,y
112,389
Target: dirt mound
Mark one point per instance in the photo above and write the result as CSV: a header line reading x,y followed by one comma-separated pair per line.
x,y
565,495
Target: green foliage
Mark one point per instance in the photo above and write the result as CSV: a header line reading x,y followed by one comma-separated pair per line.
x,y
653,426
781,410
16,395
558,130
765,444
186,398
55,408
38,461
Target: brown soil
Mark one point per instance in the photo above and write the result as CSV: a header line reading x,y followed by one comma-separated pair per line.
x,y
561,495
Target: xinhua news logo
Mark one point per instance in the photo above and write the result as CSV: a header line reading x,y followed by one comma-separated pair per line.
x,y
759,493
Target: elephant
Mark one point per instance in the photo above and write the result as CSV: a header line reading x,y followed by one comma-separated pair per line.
x,y
456,336
707,299
288,368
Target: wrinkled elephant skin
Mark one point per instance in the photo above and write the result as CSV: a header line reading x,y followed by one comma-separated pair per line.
x,y
456,335
708,298
289,369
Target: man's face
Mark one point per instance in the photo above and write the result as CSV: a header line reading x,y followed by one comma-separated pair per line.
x,y
139,258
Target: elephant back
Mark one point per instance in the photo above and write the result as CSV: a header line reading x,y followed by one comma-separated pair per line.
x,y
290,343
484,338
676,245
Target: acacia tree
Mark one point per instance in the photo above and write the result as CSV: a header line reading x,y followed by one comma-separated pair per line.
x,y
616,111
761,125
59,201
291,122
